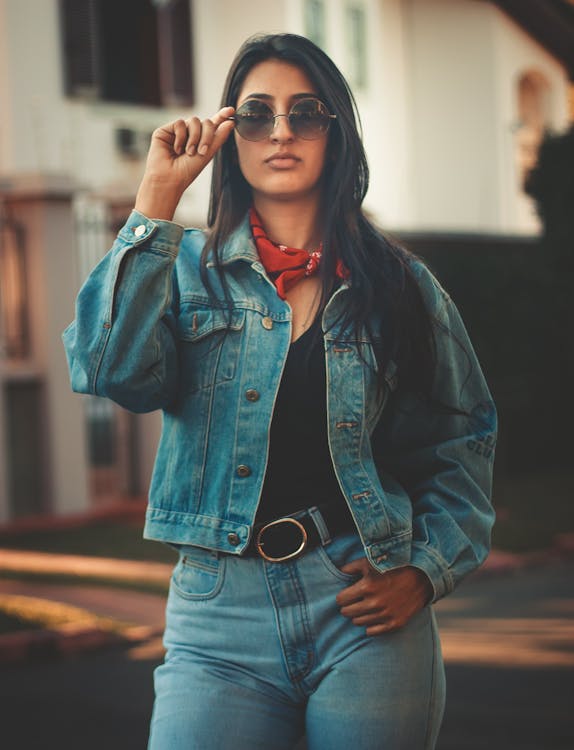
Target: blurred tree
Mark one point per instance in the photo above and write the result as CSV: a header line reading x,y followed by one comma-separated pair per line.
x,y
551,184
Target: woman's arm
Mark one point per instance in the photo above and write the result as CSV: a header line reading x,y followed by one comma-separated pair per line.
x,y
121,344
442,454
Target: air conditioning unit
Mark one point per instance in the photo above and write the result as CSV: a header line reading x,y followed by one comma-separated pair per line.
x,y
131,143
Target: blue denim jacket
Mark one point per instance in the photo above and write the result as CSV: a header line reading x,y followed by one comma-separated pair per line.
x,y
147,335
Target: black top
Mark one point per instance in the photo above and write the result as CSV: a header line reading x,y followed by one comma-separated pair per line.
x,y
300,471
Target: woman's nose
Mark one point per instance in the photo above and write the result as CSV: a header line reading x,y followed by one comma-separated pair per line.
x,y
282,132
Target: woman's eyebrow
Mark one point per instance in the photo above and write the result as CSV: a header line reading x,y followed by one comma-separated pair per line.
x,y
269,97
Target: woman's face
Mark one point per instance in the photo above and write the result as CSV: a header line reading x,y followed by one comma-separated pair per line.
x,y
282,166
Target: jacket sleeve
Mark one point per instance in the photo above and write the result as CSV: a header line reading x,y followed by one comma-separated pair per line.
x,y
443,457
121,343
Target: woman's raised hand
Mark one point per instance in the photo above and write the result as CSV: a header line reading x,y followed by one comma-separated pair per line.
x,y
178,152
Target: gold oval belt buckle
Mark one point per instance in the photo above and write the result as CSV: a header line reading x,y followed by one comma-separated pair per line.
x,y
259,543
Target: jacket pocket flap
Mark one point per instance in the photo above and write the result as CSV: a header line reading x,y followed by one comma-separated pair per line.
x,y
195,323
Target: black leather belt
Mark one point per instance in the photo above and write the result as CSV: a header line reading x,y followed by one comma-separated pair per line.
x,y
288,537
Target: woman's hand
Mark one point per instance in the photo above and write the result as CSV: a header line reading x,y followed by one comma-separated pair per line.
x,y
383,601
178,152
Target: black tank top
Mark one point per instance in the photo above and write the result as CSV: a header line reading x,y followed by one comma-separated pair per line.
x,y
300,471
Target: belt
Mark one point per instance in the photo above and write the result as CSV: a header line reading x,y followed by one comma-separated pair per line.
x,y
288,537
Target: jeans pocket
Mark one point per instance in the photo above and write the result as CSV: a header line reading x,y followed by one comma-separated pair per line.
x,y
342,550
198,574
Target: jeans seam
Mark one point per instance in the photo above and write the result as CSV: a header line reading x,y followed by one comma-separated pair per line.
x,y
296,677
191,563
432,695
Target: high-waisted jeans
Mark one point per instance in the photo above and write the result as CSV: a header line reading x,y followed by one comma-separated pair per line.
x,y
258,654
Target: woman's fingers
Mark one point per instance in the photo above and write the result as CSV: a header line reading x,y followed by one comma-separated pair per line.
x,y
363,607
215,131
194,134
207,133
222,116
205,137
383,601
180,132
181,149
375,618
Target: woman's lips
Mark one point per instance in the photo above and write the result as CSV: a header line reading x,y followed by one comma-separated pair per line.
x,y
282,161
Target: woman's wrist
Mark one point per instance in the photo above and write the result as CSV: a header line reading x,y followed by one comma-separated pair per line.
x,y
157,200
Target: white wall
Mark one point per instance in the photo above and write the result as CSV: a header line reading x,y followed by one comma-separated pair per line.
x,y
453,115
386,118
6,81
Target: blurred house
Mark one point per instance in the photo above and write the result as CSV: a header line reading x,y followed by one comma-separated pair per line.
x,y
454,97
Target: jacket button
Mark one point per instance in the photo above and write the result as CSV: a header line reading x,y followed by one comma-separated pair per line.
x,y
233,539
243,471
252,394
139,230
267,323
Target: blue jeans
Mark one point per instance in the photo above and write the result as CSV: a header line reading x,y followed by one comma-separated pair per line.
x,y
258,654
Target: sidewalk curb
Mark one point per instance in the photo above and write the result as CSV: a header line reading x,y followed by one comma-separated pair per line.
x,y
133,571
67,640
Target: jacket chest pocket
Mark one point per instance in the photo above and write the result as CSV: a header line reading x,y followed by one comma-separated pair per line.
x,y
209,343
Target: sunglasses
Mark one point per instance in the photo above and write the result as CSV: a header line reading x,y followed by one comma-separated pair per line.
x,y
308,118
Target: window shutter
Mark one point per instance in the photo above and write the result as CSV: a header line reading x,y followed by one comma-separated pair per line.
x,y
176,67
79,33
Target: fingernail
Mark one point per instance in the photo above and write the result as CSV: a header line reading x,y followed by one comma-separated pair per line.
x,y
203,149
191,150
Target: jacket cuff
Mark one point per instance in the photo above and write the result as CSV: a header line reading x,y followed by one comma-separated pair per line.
x,y
139,229
435,568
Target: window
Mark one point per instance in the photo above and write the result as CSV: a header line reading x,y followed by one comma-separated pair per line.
x,y
14,338
356,28
133,51
315,22
25,449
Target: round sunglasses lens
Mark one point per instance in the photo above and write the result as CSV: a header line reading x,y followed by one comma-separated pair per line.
x,y
254,121
309,119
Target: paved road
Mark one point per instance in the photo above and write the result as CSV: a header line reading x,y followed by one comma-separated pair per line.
x,y
508,640
139,607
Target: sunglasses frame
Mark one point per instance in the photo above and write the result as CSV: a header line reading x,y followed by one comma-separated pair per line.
x,y
272,119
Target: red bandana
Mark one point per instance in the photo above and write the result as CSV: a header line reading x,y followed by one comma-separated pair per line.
x,y
286,265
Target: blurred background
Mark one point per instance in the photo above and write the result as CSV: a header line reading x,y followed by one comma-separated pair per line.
x,y
467,109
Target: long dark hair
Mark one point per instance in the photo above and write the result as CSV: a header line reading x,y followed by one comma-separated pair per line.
x,y
383,295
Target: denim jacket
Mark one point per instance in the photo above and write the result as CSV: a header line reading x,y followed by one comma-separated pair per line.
x,y
147,335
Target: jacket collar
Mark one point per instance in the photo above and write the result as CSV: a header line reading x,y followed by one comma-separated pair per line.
x,y
240,245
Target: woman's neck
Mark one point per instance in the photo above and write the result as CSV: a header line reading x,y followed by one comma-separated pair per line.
x,y
291,223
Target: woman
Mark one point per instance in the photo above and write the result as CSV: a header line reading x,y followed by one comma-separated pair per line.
x,y
320,469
